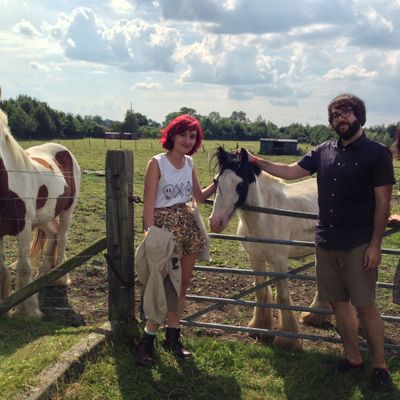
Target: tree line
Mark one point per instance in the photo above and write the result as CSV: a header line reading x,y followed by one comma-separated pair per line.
x,y
31,119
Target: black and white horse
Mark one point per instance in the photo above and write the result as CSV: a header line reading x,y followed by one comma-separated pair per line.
x,y
240,182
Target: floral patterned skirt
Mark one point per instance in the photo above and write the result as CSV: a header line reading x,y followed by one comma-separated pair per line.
x,y
180,221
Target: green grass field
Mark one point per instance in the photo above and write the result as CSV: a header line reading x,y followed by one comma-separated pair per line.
x,y
223,367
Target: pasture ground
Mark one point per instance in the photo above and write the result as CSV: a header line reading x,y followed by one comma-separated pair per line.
x,y
225,365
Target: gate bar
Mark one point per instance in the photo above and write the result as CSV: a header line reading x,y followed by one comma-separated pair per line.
x,y
268,332
246,292
246,303
300,243
290,275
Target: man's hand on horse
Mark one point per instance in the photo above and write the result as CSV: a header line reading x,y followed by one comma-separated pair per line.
x,y
251,157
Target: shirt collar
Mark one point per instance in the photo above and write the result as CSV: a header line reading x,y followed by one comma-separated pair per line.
x,y
357,143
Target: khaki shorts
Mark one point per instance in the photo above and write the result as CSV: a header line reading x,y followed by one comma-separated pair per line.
x,y
180,221
341,276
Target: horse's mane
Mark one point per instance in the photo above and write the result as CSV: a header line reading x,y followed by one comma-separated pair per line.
x,y
238,161
17,152
268,187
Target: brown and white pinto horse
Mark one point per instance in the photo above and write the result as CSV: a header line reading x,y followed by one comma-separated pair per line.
x,y
39,189
240,182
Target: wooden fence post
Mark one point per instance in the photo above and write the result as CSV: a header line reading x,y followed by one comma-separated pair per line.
x,y
120,246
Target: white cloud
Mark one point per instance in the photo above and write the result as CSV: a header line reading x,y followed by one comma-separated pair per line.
x,y
146,86
255,16
132,45
121,6
98,72
351,71
378,20
226,61
26,28
35,66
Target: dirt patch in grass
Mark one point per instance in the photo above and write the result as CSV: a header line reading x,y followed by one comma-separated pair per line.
x,y
85,302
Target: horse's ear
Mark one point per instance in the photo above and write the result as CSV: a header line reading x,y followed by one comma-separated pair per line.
x,y
221,156
244,156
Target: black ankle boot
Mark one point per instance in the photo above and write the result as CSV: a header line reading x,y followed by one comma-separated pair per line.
x,y
173,344
144,350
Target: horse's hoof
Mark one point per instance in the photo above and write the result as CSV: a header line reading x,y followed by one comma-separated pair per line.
x,y
313,319
62,282
262,337
7,314
288,343
34,314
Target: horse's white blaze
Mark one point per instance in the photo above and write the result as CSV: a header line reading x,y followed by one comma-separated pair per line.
x,y
225,200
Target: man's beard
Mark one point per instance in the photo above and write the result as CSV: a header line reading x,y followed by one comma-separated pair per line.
x,y
350,131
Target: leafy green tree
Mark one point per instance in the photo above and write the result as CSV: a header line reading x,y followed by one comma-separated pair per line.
x,y
45,126
214,116
272,129
95,130
239,116
148,131
297,131
21,124
141,119
391,130
130,123
319,134
71,128
27,103
184,110
116,126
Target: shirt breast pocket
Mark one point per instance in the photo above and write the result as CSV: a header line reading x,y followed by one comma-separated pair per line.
x,y
356,176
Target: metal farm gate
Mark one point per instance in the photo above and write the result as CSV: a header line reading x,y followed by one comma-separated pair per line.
x,y
274,277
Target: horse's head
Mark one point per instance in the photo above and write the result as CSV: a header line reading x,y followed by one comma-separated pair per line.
x,y
233,180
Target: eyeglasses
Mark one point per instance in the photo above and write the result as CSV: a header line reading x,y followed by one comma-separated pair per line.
x,y
342,113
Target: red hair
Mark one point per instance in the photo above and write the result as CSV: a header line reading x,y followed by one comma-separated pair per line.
x,y
181,124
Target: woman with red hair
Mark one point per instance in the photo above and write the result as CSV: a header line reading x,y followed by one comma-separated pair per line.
x,y
170,183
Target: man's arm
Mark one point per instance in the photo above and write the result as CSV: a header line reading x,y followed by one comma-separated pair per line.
x,y
373,254
281,170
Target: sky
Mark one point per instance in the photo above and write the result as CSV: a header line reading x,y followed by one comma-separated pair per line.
x,y
281,60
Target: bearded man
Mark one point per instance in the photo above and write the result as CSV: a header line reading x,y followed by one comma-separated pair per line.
x,y
355,179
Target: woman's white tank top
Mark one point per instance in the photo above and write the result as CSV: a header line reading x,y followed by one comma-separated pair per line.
x,y
175,185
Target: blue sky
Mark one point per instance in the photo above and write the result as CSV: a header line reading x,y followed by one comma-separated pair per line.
x,y
281,60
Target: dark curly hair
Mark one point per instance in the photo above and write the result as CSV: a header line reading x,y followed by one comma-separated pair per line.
x,y
348,100
179,125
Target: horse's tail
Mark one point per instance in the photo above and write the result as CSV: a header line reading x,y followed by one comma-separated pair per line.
x,y
37,245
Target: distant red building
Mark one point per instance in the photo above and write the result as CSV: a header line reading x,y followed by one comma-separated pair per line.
x,y
121,136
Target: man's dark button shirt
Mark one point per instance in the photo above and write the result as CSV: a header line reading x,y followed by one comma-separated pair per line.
x,y
346,179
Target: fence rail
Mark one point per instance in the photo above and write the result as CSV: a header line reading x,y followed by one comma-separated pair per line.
x,y
52,275
236,299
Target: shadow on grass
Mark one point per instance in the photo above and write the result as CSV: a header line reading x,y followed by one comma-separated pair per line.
x,y
55,306
17,331
171,378
311,375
